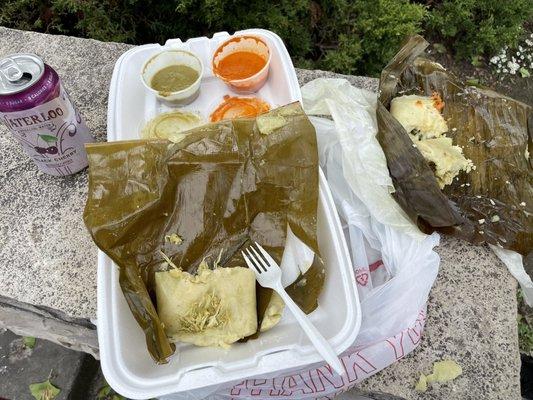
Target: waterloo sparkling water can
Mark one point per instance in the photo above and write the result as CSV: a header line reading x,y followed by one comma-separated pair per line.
x,y
39,113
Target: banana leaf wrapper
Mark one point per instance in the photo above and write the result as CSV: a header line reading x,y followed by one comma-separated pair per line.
x,y
222,186
491,204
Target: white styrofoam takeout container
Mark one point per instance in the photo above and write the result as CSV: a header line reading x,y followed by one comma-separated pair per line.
x,y
126,364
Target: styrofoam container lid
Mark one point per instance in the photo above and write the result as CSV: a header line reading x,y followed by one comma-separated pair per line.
x,y
125,360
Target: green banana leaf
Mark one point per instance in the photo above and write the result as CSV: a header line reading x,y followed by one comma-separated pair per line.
x,y
492,204
222,186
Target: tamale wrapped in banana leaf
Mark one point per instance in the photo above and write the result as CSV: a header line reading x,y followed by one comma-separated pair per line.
x,y
204,198
491,203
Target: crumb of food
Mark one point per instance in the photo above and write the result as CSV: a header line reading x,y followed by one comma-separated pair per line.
x,y
303,282
174,239
492,202
508,182
462,185
479,197
495,218
467,184
481,232
414,145
454,129
422,384
481,221
443,371
523,204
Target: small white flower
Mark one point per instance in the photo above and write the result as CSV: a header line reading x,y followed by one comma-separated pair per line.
x,y
494,59
522,57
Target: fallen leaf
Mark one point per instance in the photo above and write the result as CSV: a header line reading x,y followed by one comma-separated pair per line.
x,y
29,342
472,82
106,393
44,390
103,392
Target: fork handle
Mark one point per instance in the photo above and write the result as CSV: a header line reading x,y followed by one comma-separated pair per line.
x,y
319,341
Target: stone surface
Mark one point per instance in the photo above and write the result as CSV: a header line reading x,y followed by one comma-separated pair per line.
x,y
472,320
48,260
46,255
30,320
20,366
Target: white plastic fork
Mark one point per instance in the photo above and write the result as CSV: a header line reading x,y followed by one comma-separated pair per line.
x,y
268,274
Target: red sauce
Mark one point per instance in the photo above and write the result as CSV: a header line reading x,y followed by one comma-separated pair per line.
x,y
239,107
240,65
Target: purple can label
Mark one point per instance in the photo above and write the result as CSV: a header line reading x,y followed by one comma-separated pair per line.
x,y
53,134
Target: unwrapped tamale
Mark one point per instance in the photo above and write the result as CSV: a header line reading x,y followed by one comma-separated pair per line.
x,y
203,198
492,201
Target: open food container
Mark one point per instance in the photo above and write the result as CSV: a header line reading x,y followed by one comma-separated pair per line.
x,y
126,363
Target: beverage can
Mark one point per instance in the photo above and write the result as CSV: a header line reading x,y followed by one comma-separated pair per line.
x,y
39,113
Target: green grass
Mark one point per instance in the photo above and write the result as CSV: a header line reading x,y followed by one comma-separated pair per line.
x,y
525,325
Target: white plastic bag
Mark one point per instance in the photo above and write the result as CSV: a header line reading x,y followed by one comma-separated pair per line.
x,y
395,264
376,227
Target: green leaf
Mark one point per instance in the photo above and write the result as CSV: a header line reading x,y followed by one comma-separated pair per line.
x,y
118,397
104,392
440,48
48,138
29,342
477,61
524,73
44,390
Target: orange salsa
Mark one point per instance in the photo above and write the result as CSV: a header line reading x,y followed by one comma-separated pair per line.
x,y
239,107
240,65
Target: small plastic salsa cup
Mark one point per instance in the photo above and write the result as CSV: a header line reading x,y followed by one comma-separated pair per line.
x,y
167,58
244,43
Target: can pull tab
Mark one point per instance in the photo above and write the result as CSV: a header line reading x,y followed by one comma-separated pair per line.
x,y
10,69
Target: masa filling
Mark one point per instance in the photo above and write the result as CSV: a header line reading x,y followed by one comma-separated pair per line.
x,y
215,307
421,117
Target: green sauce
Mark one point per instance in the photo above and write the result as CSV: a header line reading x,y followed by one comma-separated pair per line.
x,y
174,78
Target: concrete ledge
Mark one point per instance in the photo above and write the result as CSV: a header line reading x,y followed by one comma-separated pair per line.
x,y
28,320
